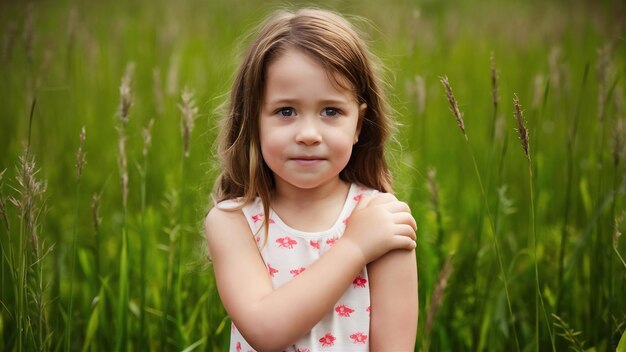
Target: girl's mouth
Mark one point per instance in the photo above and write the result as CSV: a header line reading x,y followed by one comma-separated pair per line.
x,y
307,161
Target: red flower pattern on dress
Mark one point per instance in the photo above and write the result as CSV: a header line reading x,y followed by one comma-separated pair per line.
x,y
259,217
369,310
358,197
345,221
344,311
286,242
271,270
331,241
315,244
328,340
238,346
359,282
358,337
296,272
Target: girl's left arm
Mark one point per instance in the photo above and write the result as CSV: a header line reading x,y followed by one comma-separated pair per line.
x,y
394,301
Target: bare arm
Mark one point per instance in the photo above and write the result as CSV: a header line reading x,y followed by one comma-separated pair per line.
x,y
285,314
394,303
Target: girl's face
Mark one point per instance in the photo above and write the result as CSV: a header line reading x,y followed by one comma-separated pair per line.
x,y
308,124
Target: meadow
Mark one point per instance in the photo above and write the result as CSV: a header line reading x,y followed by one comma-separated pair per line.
x,y
510,151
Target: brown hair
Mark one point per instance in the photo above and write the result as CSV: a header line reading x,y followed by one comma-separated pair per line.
x,y
334,43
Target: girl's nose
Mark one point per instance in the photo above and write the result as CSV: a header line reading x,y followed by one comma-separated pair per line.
x,y
309,132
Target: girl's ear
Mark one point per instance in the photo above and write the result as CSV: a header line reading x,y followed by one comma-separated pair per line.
x,y
362,109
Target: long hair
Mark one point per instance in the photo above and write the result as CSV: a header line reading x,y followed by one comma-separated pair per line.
x,y
333,42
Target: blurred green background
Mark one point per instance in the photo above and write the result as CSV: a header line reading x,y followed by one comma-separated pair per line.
x,y
513,253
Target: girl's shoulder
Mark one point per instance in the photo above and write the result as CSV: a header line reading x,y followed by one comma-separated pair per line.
x,y
224,213
230,204
225,227
238,208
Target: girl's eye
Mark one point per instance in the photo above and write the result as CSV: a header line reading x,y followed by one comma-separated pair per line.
x,y
330,112
286,112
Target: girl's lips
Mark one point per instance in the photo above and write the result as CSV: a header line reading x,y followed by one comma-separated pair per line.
x,y
304,161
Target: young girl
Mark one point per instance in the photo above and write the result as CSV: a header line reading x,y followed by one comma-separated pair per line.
x,y
310,252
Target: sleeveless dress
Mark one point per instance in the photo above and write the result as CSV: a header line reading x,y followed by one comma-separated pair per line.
x,y
288,252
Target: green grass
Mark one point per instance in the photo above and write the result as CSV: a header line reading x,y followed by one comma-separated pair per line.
x,y
532,241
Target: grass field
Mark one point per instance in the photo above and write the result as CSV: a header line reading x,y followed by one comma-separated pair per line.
x,y
518,249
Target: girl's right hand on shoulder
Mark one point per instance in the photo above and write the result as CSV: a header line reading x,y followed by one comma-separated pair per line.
x,y
379,224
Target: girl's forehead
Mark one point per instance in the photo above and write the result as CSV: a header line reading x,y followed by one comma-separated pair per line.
x,y
298,60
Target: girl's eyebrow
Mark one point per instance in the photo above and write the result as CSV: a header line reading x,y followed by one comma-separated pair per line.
x,y
289,101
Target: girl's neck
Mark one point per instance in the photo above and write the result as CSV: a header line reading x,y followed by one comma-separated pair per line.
x,y
310,210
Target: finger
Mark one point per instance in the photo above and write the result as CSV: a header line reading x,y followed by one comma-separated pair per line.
x,y
403,230
405,218
403,242
382,198
397,206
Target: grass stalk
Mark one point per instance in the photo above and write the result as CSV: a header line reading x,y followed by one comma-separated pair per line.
x,y
617,234
121,334
523,135
433,190
459,118
436,300
173,231
80,162
143,170
189,113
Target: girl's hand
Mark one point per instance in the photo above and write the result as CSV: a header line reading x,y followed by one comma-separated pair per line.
x,y
380,224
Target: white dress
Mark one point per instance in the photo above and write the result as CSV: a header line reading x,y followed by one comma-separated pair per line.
x,y
288,252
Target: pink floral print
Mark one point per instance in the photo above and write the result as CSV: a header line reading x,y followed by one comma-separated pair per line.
x,y
286,242
328,340
344,311
359,282
315,244
271,270
296,272
358,337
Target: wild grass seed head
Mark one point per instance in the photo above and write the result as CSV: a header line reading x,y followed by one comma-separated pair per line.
x,y
555,68
80,154
433,187
494,82
189,113
147,137
438,293
500,128
126,94
157,90
454,107
95,212
172,76
29,201
123,166
123,113
521,128
538,90
420,93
